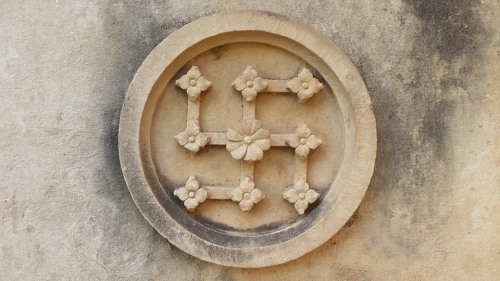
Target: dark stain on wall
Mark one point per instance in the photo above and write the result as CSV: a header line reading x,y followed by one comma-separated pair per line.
x,y
135,29
450,27
415,111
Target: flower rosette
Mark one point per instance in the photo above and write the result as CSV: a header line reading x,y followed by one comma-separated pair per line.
x,y
303,141
249,84
300,195
248,142
305,85
192,138
191,194
194,83
246,194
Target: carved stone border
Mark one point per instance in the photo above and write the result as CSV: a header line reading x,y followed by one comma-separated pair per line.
x,y
203,34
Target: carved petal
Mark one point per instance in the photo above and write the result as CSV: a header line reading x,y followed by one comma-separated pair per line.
x,y
302,131
302,150
249,73
249,94
182,193
183,82
246,205
193,93
254,153
191,204
247,185
256,195
301,186
291,194
255,126
192,146
202,139
237,149
239,83
313,141
233,145
305,94
315,85
293,140
193,128
295,85
201,195
194,72
261,134
301,206
305,75
249,126
246,126
236,195
182,138
192,184
233,135
202,83
311,196
259,84
263,144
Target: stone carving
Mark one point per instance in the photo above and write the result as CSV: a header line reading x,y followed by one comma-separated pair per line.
x,y
248,142
303,141
247,195
192,138
320,148
305,85
193,83
249,84
300,195
191,194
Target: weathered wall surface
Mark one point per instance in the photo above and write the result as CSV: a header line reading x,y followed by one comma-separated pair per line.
x,y
432,211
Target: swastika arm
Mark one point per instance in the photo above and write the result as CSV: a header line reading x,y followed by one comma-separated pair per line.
x,y
299,193
304,85
248,142
192,194
194,84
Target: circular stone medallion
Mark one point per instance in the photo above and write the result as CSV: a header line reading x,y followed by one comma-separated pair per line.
x,y
247,139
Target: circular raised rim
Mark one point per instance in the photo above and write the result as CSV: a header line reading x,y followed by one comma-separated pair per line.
x,y
361,124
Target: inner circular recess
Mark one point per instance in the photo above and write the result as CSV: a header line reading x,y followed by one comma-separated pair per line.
x,y
221,109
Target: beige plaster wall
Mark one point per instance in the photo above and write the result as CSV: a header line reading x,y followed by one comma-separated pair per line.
x,y
432,210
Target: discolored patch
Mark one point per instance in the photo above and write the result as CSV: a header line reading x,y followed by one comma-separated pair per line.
x,y
416,108
450,27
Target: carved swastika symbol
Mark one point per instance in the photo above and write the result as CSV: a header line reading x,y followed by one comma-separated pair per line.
x,y
249,141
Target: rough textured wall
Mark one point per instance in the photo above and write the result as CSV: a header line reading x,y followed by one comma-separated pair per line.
x,y
432,210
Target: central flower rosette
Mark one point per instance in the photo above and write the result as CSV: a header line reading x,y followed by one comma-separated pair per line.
x,y
249,141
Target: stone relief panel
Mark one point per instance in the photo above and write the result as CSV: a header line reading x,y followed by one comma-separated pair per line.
x,y
249,140
247,145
